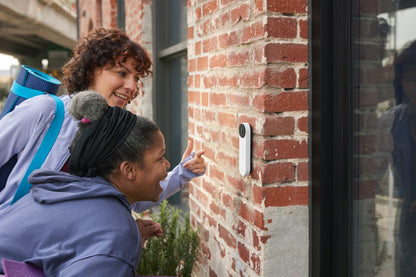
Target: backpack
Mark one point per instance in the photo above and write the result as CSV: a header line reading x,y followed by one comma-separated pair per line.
x,y
29,83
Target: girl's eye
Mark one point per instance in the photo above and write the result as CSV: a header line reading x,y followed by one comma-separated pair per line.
x,y
122,73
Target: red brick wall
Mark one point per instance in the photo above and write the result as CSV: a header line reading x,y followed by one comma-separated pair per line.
x,y
247,62
109,11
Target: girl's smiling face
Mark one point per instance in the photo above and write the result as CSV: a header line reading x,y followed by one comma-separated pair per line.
x,y
118,84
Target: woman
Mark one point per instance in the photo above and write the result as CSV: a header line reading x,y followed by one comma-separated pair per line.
x,y
403,131
106,61
80,224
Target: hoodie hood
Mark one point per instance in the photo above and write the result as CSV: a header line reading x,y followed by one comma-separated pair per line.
x,y
51,187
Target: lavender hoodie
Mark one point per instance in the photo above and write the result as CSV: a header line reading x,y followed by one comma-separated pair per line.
x,y
71,226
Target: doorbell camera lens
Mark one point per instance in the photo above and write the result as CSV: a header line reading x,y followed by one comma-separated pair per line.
x,y
242,130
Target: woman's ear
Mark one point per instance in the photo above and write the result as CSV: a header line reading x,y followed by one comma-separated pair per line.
x,y
128,170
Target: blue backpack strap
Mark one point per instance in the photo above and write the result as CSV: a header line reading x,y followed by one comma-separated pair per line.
x,y
44,149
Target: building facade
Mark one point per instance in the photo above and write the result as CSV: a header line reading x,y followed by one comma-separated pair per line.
x,y
329,191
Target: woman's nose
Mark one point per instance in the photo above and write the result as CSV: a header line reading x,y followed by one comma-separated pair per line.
x,y
167,165
131,85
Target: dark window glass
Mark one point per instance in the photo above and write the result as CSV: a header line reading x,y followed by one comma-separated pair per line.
x,y
383,91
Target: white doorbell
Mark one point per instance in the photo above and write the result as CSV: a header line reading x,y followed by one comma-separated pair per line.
x,y
244,149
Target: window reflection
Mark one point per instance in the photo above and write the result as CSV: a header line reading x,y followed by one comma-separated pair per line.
x,y
384,82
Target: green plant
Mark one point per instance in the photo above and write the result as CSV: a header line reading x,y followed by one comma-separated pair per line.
x,y
175,251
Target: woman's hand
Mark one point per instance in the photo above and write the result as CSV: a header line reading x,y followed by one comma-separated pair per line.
x,y
197,163
148,228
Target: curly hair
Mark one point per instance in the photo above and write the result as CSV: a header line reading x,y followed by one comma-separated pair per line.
x,y
100,47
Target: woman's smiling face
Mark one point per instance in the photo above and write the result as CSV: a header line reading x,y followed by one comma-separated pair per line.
x,y
118,84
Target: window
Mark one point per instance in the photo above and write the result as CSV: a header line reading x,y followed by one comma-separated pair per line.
x,y
170,81
364,138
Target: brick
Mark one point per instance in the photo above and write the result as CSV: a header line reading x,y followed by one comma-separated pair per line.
x,y
204,99
226,160
227,2
209,7
259,5
225,18
253,79
256,240
282,196
303,78
255,263
202,198
198,13
208,115
211,221
190,32
210,45
216,210
285,6
254,31
211,189
278,126
284,101
202,63
228,201
275,173
244,253
252,216
198,48
194,97
227,119
229,80
280,79
219,61
197,80
259,220
209,81
194,207
252,120
191,65
218,99
238,58
212,273
240,13
206,251
227,236
303,171
240,100
241,229
303,124
282,27
215,173
190,82
366,189
286,52
237,183
303,29
277,149
228,39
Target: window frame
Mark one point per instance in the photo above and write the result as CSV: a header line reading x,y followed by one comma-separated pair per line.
x,y
331,139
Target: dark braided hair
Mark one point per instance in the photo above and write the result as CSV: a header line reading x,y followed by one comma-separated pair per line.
x,y
92,106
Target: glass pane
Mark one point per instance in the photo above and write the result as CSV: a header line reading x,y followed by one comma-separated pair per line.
x,y
178,95
176,115
384,158
177,24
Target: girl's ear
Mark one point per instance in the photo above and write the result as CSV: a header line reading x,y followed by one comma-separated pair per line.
x,y
128,170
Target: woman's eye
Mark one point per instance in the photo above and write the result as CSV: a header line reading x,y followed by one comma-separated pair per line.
x,y
122,73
